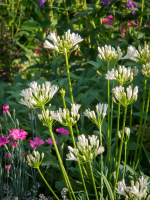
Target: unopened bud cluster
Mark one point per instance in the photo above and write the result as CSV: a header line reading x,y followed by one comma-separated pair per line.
x,y
122,75
101,110
127,131
125,98
136,191
85,152
109,53
46,118
34,161
65,44
65,117
37,95
146,70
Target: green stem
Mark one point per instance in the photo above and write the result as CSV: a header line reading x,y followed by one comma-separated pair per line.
x,y
47,183
108,134
94,185
124,160
64,102
120,150
118,118
12,7
82,177
141,119
66,11
101,159
141,18
70,190
147,106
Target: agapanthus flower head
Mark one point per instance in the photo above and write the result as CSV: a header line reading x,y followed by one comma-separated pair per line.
x,y
7,167
65,117
64,44
125,98
4,140
131,54
101,110
41,3
46,118
62,131
109,53
86,150
5,108
34,161
36,142
50,142
17,134
146,70
126,136
37,95
123,75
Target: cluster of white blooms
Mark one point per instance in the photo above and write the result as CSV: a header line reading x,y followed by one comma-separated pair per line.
x,y
85,152
109,53
43,118
146,70
137,191
127,131
63,116
34,161
65,44
125,98
122,75
101,110
38,96
141,55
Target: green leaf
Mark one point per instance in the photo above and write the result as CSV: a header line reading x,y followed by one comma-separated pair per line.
x,y
146,153
95,64
108,187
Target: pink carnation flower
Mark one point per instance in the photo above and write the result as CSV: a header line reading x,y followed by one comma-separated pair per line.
x,y
17,134
50,142
110,17
8,155
36,142
8,167
5,109
63,131
105,20
4,140
14,144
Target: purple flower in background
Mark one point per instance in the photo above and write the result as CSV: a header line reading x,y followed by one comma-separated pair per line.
x,y
133,12
129,4
3,140
36,142
62,131
41,3
137,21
50,142
134,4
105,3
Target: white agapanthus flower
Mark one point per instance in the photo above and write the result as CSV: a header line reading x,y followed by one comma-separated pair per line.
x,y
65,44
37,96
65,117
146,70
137,191
87,150
34,161
101,110
132,54
109,53
125,98
126,137
123,75
46,118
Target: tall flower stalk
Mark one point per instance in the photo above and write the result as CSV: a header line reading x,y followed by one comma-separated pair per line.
x,y
118,119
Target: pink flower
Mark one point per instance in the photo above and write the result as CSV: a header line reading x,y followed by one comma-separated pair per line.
x,y
5,109
119,38
8,155
110,17
49,141
8,167
17,134
129,24
105,20
14,144
63,131
36,142
3,140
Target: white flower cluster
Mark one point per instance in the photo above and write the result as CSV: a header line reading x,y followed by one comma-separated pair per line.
x,y
101,110
122,97
109,53
141,55
137,191
127,131
65,44
146,70
48,117
123,77
38,96
34,161
85,152
63,116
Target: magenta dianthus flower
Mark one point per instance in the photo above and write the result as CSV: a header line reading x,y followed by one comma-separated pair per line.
x,y
36,142
17,134
5,109
8,155
41,3
14,144
8,167
62,131
110,17
50,142
4,140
